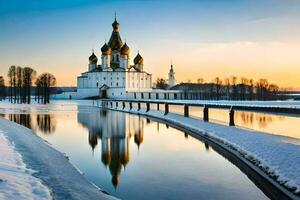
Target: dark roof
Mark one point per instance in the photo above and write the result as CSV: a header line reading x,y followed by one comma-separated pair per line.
x,y
105,49
93,59
125,49
138,59
115,41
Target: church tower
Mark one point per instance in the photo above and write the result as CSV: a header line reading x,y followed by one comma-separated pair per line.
x,y
115,43
171,80
93,62
106,51
124,56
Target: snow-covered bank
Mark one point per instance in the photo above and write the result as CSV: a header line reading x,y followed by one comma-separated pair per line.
x,y
276,156
48,165
16,180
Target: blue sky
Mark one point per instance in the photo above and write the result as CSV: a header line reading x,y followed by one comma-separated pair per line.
x,y
58,35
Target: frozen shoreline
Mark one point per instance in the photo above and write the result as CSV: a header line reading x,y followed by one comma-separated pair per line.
x,y
16,180
276,156
50,166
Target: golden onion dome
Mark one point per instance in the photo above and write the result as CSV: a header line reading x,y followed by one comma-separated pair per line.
x,y
93,59
125,50
105,49
138,60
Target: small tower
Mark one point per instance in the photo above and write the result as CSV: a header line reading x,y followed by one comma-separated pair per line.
x,y
171,81
93,61
124,56
106,51
138,63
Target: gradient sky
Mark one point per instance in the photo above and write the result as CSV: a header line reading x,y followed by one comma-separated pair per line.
x,y
204,38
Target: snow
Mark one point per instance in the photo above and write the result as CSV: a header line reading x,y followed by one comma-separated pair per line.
x,y
16,180
277,156
46,164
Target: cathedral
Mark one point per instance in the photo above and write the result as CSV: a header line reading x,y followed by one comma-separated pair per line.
x,y
115,77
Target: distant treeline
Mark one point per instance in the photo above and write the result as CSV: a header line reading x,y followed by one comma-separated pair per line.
x,y
21,80
228,89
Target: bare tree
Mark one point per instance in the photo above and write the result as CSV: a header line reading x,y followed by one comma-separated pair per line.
x,y
243,87
44,82
19,71
12,82
262,86
227,87
28,76
200,80
161,83
2,88
233,93
218,86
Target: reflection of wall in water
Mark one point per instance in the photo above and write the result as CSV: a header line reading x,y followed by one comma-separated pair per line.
x,y
114,129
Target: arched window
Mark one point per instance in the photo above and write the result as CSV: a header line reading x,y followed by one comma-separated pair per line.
x,y
97,84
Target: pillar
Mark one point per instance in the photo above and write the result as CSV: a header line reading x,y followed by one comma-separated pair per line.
x,y
166,108
231,117
186,110
205,114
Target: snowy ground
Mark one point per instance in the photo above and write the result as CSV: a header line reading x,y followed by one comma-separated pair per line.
x,y
16,180
276,156
48,169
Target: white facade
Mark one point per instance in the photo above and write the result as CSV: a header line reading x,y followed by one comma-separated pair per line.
x,y
171,80
115,77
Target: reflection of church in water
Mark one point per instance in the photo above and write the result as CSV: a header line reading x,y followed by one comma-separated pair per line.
x,y
115,130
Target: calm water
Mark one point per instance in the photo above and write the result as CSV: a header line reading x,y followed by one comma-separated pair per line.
x,y
265,122
132,157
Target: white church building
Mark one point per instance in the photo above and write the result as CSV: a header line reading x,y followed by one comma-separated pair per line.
x,y
115,77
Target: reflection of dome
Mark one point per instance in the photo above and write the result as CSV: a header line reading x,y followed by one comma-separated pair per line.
x,y
105,157
138,60
125,156
138,138
125,50
93,141
93,59
105,49
115,169
115,181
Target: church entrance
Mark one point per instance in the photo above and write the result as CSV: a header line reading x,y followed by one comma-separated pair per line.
x,y
103,91
103,94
